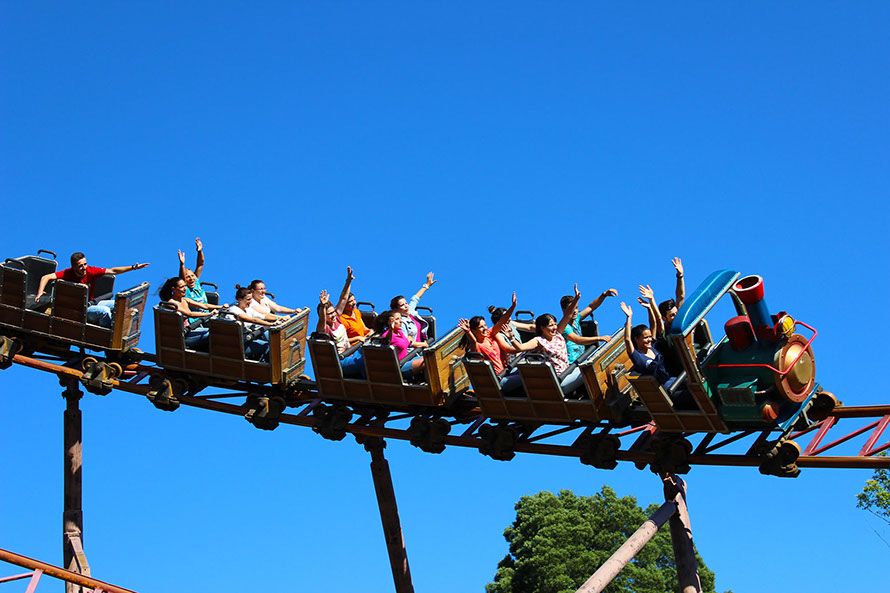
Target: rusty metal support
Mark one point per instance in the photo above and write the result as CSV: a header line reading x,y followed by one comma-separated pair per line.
x,y
618,560
59,573
73,556
681,535
389,516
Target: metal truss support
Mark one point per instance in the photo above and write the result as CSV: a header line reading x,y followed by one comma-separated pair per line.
x,y
673,510
74,558
389,516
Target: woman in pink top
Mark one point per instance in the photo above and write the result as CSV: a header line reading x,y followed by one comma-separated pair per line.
x,y
403,344
550,342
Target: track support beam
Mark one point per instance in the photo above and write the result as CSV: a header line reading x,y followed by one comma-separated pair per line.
x,y
74,558
681,535
389,516
673,510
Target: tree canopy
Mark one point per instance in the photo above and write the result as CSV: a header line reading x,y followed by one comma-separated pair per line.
x,y
558,541
875,496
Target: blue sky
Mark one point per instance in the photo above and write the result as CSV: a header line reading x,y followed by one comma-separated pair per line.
x,y
507,146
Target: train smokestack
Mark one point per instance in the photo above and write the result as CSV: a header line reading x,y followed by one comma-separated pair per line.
x,y
750,290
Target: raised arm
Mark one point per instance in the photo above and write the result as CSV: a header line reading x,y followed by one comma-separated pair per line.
x,y
123,269
430,280
464,325
323,300
656,325
505,318
681,284
44,280
199,264
628,343
181,255
595,303
344,294
567,315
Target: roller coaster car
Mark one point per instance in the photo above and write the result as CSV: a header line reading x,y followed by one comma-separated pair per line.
x,y
761,376
58,321
444,377
602,368
225,362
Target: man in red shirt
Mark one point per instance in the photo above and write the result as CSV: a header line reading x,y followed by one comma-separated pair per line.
x,y
99,312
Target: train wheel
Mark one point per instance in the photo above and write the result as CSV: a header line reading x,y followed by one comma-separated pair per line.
x,y
116,371
88,363
823,404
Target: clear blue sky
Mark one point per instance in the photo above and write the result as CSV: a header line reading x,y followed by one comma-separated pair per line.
x,y
507,146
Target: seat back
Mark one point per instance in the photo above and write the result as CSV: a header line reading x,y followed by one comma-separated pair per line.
x,y
12,294
369,317
326,366
543,389
604,375
212,295
430,320
227,348
385,378
69,310
696,382
103,288
169,340
443,364
129,307
36,267
287,348
589,327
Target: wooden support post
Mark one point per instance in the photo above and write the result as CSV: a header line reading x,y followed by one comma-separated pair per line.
x,y
681,535
389,516
74,558
611,567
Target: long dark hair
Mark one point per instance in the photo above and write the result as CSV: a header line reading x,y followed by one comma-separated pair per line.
x,y
543,321
166,291
394,302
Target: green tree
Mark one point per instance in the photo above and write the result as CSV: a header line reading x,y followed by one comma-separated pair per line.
x,y
558,541
875,496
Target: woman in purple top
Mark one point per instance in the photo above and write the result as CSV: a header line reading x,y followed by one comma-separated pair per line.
x,y
403,344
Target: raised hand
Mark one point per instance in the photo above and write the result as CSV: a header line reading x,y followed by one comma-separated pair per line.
x,y
643,301
181,256
610,292
627,310
647,293
430,279
577,292
139,266
324,298
349,275
513,303
678,265
464,325
198,245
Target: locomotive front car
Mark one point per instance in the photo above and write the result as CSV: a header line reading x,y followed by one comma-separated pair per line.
x,y
762,375
59,320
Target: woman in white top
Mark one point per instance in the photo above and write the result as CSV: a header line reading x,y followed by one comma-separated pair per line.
x,y
550,342
263,304
257,348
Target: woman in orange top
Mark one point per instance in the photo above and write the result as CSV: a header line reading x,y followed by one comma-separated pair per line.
x,y
482,339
